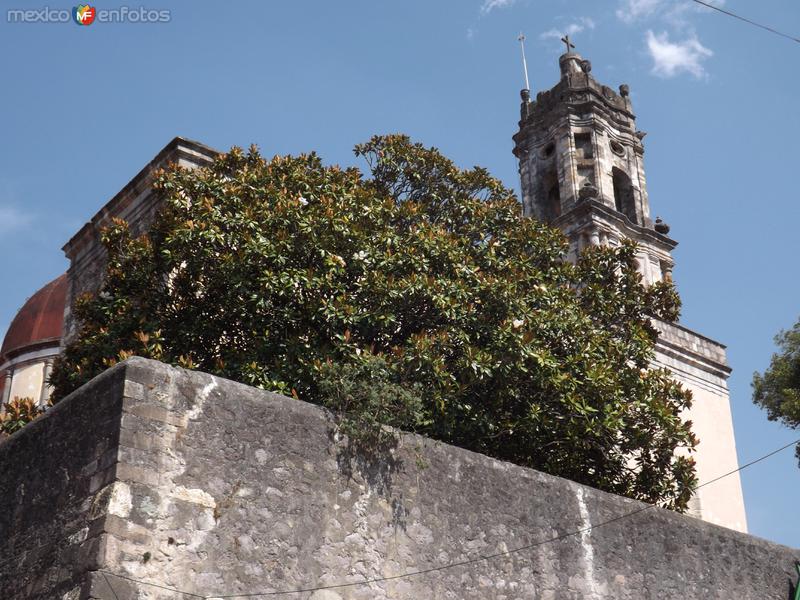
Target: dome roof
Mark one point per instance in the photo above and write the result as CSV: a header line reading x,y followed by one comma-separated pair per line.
x,y
39,321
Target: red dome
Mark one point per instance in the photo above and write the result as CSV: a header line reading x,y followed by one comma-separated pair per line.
x,y
39,321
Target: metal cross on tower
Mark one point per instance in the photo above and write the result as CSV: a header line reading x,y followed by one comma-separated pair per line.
x,y
570,45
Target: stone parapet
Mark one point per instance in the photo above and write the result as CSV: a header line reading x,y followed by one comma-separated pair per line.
x,y
697,356
155,476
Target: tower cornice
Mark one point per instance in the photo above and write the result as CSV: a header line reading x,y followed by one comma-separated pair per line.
x,y
593,211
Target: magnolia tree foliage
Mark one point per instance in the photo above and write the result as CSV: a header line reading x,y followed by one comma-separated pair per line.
x,y
778,390
17,413
420,280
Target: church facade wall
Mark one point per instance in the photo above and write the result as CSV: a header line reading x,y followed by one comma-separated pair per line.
x,y
135,203
189,481
700,364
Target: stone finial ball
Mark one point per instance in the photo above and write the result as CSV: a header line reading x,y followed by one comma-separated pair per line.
x,y
588,190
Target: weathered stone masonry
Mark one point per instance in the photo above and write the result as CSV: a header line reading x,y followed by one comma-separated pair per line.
x,y
185,480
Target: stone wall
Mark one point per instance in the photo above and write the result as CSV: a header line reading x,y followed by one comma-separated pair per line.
x,y
54,475
184,480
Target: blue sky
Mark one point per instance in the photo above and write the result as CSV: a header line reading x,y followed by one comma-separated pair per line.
x,y
87,107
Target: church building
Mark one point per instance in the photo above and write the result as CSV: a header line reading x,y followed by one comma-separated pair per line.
x,y
581,168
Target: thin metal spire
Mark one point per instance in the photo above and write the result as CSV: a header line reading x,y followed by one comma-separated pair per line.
x,y
521,39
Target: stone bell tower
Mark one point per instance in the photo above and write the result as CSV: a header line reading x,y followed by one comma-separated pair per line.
x,y
581,168
580,161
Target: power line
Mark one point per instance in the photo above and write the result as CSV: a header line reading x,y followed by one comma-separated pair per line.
x,y
111,587
155,585
750,464
746,20
450,565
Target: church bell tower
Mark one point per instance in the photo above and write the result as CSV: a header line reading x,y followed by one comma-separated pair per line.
x,y
581,167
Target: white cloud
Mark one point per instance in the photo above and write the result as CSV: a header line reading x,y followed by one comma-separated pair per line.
x,y
489,5
470,33
630,11
633,10
672,58
12,219
582,24
679,14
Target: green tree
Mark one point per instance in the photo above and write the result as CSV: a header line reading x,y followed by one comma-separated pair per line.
x,y
421,277
778,390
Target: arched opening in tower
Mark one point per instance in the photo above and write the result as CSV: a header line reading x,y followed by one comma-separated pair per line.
x,y
623,194
552,196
